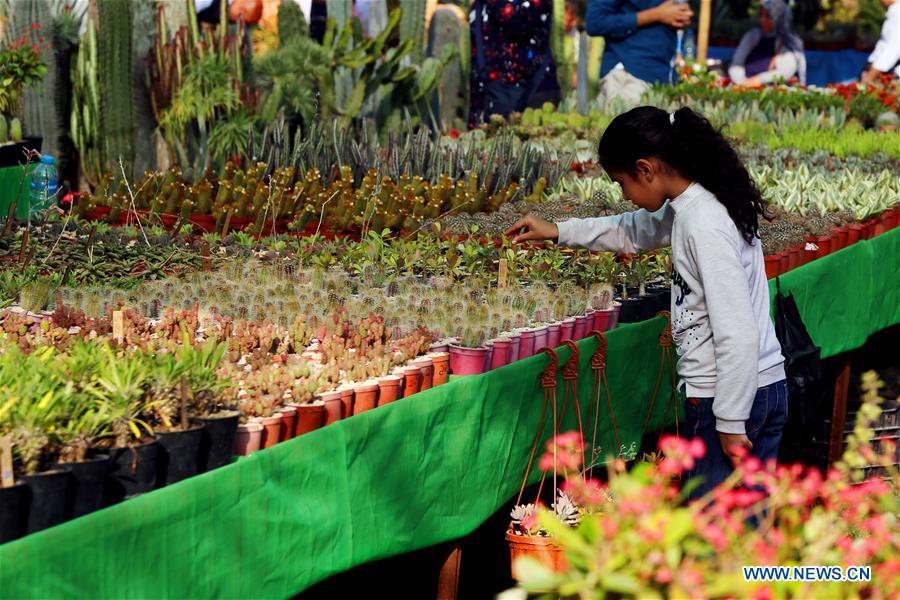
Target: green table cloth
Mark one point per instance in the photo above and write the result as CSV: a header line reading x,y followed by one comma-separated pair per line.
x,y
417,472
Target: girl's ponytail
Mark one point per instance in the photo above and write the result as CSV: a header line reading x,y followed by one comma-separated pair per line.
x,y
691,145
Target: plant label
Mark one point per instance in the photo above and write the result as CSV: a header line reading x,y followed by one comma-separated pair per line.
x,y
204,253
227,224
502,273
6,462
118,323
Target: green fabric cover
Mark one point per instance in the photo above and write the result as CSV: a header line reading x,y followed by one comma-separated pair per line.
x,y
415,473
13,189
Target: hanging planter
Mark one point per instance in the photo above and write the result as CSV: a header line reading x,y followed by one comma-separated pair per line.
x,y
217,440
86,485
178,455
539,548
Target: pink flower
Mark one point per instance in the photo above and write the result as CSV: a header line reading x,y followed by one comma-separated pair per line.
x,y
697,448
664,575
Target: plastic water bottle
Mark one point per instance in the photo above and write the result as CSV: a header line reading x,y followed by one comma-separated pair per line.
x,y
689,49
44,185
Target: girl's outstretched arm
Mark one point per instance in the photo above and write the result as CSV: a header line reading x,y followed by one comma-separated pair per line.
x,y
636,231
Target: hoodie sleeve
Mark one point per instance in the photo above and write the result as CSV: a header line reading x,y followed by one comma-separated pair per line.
x,y
717,251
629,232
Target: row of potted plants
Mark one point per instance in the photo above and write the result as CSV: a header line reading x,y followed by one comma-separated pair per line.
x,y
840,237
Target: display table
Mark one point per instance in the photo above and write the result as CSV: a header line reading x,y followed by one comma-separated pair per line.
x,y
415,473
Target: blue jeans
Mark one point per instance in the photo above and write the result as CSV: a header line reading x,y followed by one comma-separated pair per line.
x,y
764,427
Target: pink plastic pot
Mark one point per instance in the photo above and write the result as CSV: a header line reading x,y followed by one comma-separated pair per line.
x,y
540,338
467,361
565,329
514,347
333,407
602,319
500,355
439,348
553,332
248,438
579,332
526,345
487,357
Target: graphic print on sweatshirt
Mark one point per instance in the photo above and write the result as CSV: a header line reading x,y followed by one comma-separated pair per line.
x,y
684,322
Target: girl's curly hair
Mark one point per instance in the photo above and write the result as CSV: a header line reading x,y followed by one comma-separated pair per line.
x,y
692,146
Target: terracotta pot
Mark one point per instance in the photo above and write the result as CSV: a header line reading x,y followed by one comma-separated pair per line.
x,y
539,548
272,430
879,227
389,388
289,414
309,417
441,362
566,328
773,266
839,238
514,347
855,232
795,256
526,346
333,407
540,337
824,244
412,377
783,262
365,397
500,356
426,366
889,219
468,361
346,401
553,332
580,330
248,439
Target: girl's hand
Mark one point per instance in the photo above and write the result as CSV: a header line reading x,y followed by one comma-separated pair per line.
x,y
736,446
532,228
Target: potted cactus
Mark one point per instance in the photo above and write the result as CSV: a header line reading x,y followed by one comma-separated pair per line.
x,y
21,67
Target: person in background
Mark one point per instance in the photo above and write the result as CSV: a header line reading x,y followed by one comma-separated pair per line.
x,y
512,65
885,58
771,52
640,38
208,11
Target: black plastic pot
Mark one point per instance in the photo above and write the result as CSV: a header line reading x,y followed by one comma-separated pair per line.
x,y
13,512
132,471
217,440
47,506
11,155
653,302
631,310
86,488
179,453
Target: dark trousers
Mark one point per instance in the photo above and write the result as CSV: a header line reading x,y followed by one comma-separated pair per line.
x,y
764,427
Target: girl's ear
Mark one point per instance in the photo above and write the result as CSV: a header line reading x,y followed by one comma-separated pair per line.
x,y
644,170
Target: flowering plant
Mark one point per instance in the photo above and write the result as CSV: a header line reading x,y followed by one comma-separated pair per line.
x,y
639,536
21,66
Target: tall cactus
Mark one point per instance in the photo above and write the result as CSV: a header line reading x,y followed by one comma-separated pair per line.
x,y
449,27
85,117
412,27
114,70
143,16
558,46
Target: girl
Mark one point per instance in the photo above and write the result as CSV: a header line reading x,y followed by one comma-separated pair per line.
x,y
730,361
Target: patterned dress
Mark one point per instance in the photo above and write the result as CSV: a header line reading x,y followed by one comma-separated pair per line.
x,y
512,65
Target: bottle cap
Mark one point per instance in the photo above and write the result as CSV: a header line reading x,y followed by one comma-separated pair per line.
x,y
47,159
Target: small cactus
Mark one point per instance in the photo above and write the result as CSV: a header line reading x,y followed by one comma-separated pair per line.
x,y
15,130
4,131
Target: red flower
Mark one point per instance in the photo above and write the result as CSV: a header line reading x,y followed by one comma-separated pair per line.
x,y
36,26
